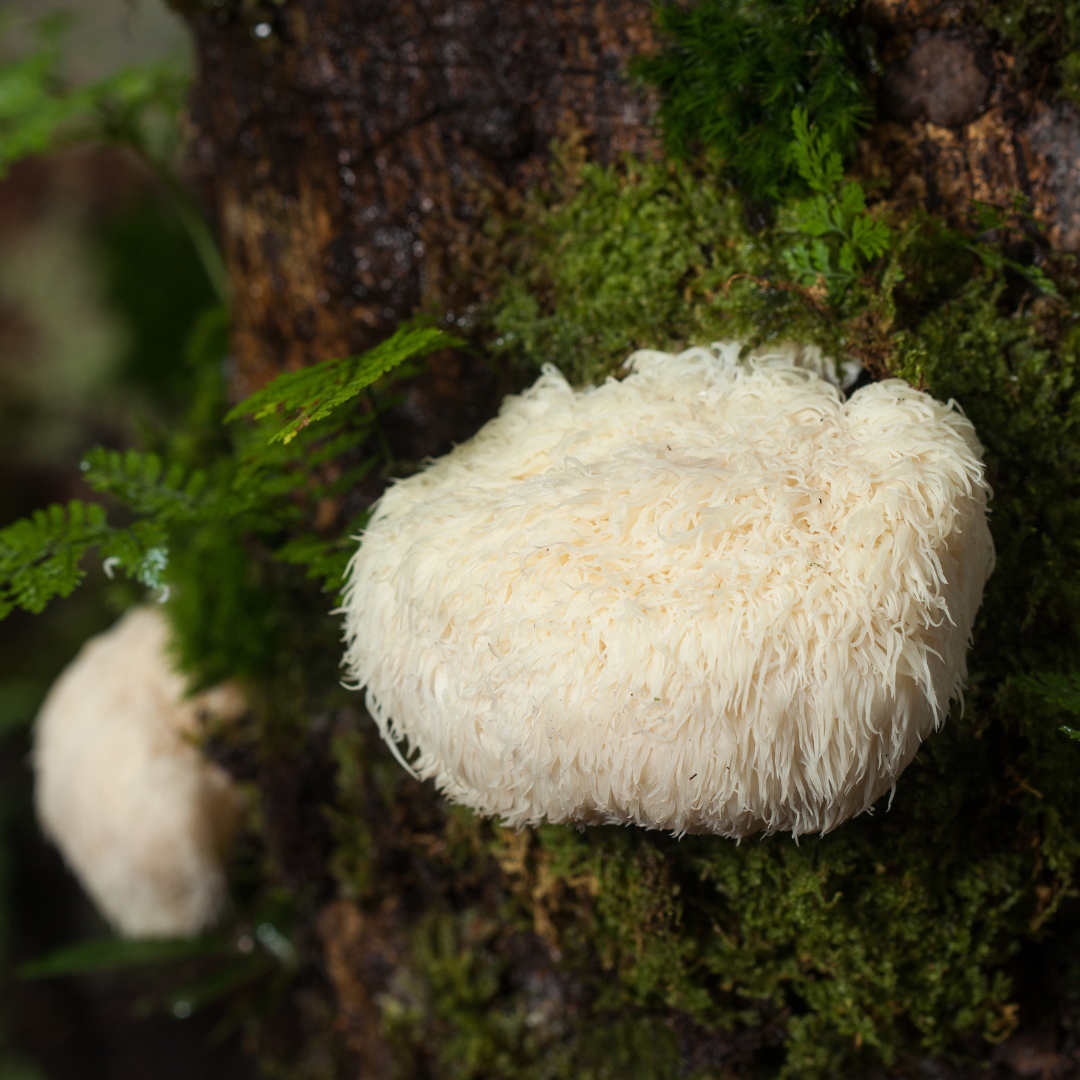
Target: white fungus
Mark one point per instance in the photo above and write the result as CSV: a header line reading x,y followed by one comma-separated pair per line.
x,y
712,597
141,818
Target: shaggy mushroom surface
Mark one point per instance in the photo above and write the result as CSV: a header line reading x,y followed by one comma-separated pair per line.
x,y
714,596
140,817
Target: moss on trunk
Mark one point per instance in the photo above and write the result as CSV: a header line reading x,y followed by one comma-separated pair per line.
x,y
370,160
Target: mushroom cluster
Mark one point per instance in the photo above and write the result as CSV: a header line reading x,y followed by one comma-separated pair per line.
x,y
142,819
714,596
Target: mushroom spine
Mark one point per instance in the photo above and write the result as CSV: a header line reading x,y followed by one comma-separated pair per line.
x,y
142,819
715,596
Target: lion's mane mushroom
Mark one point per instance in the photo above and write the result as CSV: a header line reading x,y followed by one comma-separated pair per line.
x,y
141,818
712,597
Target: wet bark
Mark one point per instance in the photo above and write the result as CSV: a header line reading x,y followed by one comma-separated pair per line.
x,y
348,147
957,123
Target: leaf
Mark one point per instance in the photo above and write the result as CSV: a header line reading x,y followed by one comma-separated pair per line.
x,y
851,202
816,161
141,481
325,560
112,954
314,392
869,237
40,555
1062,690
37,113
987,216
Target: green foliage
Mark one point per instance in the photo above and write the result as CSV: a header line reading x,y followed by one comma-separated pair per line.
x,y
843,238
317,391
474,994
156,281
1061,690
645,255
457,1001
216,527
632,257
730,74
861,939
138,107
40,556
113,954
38,114
1043,37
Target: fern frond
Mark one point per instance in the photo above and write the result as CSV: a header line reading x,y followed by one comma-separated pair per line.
x,y
313,393
843,235
40,555
142,482
729,75
1062,690
325,560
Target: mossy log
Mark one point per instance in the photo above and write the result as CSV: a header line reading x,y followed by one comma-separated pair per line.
x,y
362,161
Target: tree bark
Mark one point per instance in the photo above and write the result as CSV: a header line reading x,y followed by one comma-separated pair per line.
x,y
956,124
347,148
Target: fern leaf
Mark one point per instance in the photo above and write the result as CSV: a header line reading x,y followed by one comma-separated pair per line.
x,y
140,551
141,482
870,238
112,954
1062,690
313,393
40,555
325,560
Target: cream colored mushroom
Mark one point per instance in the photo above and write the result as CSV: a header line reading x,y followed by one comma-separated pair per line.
x,y
142,819
713,597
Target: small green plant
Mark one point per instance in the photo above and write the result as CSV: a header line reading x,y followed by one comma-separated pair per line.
x,y
841,237
315,392
249,489
1060,690
1043,38
729,75
38,113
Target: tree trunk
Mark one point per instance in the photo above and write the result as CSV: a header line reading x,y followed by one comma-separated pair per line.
x,y
347,149
956,124
350,151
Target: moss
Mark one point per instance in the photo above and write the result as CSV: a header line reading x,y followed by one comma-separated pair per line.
x,y
729,75
463,1004
892,937
628,257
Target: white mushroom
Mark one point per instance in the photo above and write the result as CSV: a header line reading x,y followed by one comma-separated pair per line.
x,y
712,597
142,819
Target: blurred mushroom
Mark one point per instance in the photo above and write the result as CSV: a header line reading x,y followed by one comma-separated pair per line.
x,y
712,597
142,819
